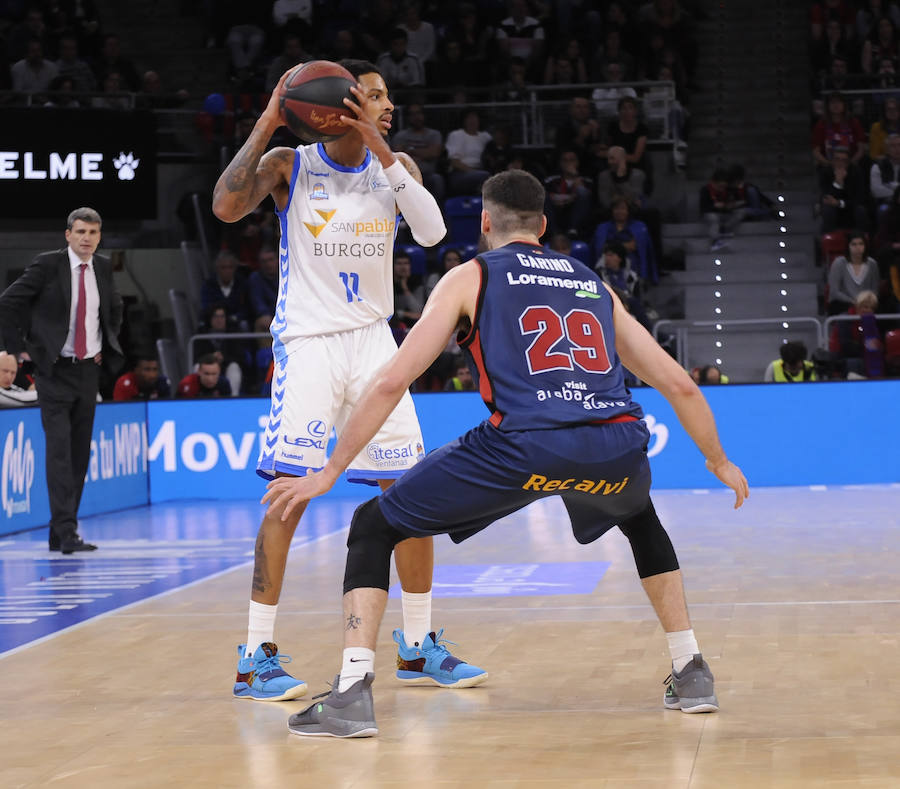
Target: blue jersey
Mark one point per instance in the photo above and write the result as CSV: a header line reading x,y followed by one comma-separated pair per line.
x,y
542,342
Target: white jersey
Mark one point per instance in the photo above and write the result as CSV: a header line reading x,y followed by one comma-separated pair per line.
x,y
336,255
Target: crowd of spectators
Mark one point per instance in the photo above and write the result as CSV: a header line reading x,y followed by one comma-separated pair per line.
x,y
457,46
456,54
596,165
55,52
855,145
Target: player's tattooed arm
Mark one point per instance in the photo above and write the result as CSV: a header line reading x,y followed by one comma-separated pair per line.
x,y
253,173
412,168
250,176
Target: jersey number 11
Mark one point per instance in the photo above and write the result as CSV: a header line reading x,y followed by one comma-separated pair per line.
x,y
351,285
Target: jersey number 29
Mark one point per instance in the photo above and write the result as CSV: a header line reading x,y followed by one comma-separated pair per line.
x,y
580,327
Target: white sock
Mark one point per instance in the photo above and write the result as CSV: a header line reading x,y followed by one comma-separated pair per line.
x,y
682,647
358,661
260,625
416,617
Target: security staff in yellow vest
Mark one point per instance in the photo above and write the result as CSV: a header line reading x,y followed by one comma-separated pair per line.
x,y
793,365
462,381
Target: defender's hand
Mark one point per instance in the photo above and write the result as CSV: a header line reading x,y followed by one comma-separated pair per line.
x,y
290,492
733,477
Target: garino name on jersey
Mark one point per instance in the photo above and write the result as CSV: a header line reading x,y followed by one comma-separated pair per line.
x,y
562,265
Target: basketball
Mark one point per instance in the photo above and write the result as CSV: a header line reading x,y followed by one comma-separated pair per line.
x,y
312,100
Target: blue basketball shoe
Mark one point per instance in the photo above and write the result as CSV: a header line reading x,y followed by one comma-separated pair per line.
x,y
261,677
432,664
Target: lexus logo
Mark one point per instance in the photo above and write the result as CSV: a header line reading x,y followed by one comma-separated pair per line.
x,y
316,428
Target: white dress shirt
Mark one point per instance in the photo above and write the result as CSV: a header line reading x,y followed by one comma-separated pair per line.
x,y
92,309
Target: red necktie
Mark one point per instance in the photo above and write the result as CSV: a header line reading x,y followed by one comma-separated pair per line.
x,y
80,312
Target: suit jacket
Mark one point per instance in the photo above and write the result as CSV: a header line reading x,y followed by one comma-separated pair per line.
x,y
36,307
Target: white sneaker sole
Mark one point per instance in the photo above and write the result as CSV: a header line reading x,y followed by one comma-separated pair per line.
x,y
370,732
293,693
468,682
701,707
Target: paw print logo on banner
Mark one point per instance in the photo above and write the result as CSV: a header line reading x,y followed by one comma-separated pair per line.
x,y
126,164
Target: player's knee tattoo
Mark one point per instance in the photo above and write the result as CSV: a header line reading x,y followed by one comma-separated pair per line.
x,y
353,622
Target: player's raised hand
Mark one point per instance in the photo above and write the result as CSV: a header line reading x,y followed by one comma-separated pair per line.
x,y
371,132
272,113
291,492
733,477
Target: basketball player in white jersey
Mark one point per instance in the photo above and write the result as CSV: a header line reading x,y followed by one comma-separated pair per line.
x,y
337,203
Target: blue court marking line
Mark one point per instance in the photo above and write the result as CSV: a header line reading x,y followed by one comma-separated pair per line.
x,y
81,607
504,580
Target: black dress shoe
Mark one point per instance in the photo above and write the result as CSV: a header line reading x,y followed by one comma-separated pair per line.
x,y
75,544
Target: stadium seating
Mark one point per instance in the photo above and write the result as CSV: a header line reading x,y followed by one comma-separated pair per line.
x,y
185,323
582,252
167,350
834,245
416,257
464,218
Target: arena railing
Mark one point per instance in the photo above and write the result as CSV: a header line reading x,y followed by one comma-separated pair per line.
x,y
682,330
543,107
531,119
864,103
238,335
681,327
879,316
176,133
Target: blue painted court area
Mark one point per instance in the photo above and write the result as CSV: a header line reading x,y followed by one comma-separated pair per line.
x,y
142,553
148,551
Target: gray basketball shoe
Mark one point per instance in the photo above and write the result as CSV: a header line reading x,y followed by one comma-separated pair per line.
x,y
692,689
347,714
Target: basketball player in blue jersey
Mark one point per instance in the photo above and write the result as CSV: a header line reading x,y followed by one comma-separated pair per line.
x,y
337,204
546,336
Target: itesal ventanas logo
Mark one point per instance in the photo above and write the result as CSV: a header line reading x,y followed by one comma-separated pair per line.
x,y
17,472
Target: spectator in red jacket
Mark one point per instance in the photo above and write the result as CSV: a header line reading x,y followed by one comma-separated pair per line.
x,y
208,381
143,383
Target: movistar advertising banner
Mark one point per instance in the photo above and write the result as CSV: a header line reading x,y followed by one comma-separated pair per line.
x,y
841,433
209,449
780,434
116,476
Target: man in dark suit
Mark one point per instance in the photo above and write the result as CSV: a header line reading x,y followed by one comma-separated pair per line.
x,y
66,309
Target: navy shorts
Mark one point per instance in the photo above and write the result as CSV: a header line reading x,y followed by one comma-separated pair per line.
x,y
600,471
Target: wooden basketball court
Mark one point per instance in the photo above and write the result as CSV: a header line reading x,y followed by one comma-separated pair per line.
x,y
794,599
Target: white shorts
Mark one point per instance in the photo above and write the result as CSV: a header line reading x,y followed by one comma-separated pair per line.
x,y
314,390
